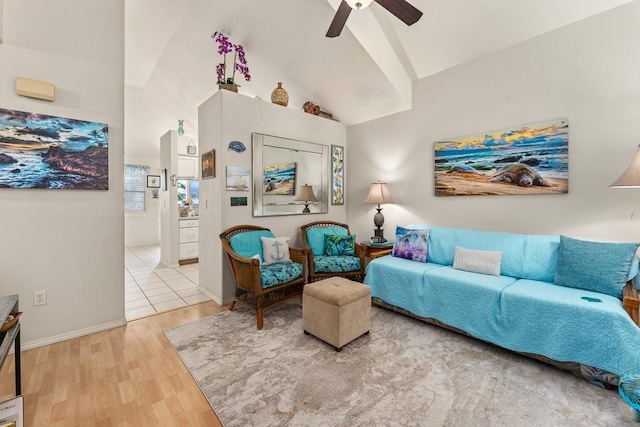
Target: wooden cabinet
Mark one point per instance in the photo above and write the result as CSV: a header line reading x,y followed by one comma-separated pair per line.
x,y
189,235
187,166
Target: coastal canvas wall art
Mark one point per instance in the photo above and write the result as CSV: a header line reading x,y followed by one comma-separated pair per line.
x,y
529,159
279,179
41,151
238,178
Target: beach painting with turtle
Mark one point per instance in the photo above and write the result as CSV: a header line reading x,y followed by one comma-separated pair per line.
x,y
41,151
279,179
530,159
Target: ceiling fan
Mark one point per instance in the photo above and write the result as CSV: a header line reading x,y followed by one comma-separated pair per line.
x,y
400,8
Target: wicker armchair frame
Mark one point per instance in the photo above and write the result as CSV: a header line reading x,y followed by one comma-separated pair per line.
x,y
357,275
246,275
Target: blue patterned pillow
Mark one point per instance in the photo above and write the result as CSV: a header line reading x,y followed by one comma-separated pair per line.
x,y
594,266
335,245
411,244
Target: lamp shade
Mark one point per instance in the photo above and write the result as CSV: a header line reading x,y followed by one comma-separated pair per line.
x,y
630,178
305,194
379,194
358,4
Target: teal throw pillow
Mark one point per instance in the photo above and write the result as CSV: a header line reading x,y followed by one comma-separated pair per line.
x,y
335,245
411,244
594,266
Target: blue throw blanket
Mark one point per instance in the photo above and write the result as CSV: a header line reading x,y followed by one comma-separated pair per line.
x,y
564,324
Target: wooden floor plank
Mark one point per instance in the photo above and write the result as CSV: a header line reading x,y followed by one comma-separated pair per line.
x,y
126,376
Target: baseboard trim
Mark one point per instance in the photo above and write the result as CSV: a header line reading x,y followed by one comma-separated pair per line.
x,y
71,334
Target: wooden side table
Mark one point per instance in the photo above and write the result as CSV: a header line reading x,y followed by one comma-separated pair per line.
x,y
371,248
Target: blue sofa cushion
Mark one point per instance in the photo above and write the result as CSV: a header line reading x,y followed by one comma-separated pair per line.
x,y
279,273
315,237
335,264
248,244
339,245
411,244
595,266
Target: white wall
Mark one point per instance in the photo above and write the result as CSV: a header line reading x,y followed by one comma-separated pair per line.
x,y
226,117
588,71
143,228
67,242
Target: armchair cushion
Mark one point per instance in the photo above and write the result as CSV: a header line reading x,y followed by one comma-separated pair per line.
x,y
339,245
279,273
335,264
315,237
248,244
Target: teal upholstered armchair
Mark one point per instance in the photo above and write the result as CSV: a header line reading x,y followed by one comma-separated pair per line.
x,y
332,251
259,284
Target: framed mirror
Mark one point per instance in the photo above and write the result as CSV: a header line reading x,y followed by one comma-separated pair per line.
x,y
286,173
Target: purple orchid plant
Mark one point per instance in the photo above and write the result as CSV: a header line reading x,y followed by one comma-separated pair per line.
x,y
239,60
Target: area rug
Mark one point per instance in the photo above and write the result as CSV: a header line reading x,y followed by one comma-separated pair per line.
x,y
404,373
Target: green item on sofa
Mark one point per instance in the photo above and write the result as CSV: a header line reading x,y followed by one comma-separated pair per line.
x,y
336,244
594,266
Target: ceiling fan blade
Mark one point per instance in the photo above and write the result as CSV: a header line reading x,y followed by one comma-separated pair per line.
x,y
402,9
339,20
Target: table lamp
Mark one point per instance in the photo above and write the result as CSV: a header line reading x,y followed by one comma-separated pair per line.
x,y
378,194
630,178
306,195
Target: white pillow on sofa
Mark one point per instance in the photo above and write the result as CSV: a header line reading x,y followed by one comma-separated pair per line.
x,y
477,261
275,249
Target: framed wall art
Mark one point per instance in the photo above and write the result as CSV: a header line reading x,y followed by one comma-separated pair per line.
x,y
279,179
153,181
49,152
528,159
337,175
208,164
238,178
238,201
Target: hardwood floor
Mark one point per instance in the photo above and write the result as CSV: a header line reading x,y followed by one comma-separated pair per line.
x,y
127,376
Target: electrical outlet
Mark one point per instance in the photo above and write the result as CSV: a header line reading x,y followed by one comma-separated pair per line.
x,y
39,297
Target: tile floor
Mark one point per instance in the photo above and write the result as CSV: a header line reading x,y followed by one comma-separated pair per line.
x,y
151,288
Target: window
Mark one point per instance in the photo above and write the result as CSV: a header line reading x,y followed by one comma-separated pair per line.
x,y
135,184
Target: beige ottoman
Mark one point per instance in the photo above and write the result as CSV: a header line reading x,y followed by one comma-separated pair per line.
x,y
336,310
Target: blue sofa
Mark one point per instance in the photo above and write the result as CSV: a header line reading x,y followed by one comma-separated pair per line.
x,y
573,326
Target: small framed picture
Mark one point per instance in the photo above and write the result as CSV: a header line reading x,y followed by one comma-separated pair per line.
x,y
153,193
191,148
238,201
153,181
208,166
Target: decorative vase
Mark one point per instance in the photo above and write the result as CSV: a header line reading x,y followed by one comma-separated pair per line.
x,y
227,86
280,96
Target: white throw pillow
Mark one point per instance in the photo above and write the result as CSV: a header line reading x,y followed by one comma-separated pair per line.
x,y
275,249
477,261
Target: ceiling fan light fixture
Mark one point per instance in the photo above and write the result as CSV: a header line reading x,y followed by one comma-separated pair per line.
x,y
358,4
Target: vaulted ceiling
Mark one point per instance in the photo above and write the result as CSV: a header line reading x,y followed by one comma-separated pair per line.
x,y
365,73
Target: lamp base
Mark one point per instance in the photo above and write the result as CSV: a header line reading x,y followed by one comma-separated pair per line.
x,y
306,209
378,236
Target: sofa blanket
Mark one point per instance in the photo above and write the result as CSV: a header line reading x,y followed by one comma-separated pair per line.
x,y
521,309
